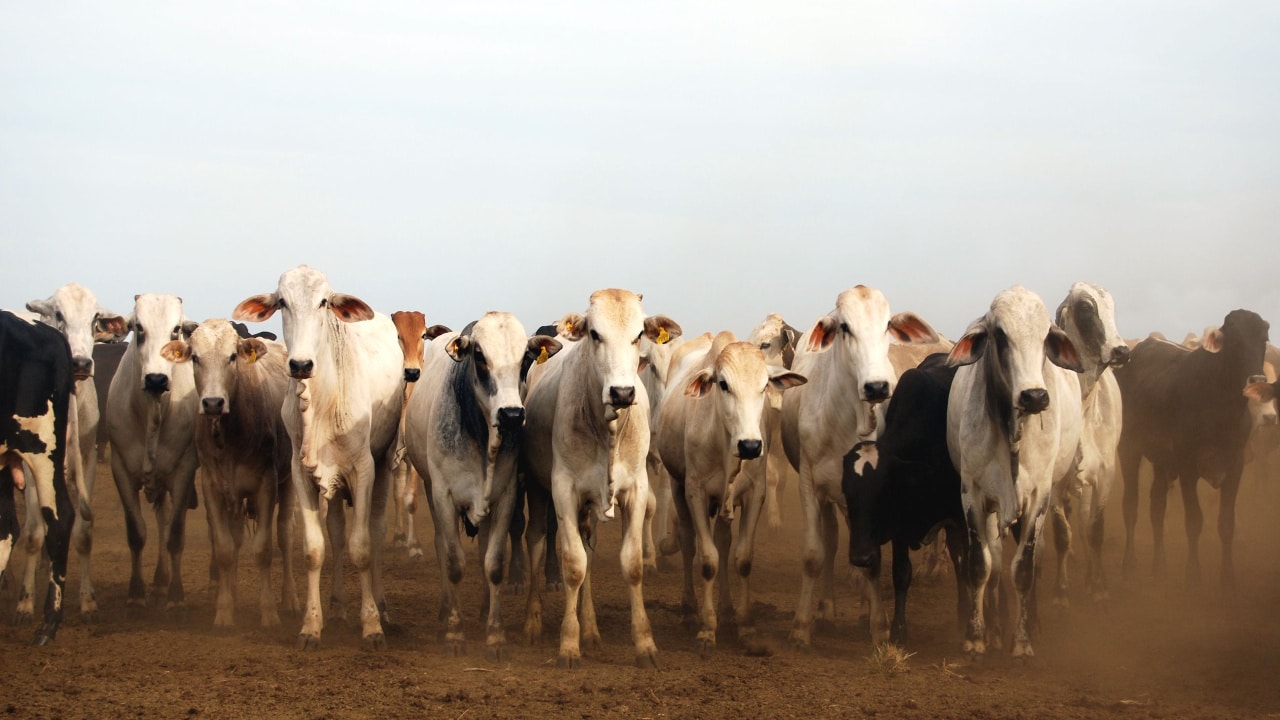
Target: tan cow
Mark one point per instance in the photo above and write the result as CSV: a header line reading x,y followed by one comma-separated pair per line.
x,y
244,452
587,438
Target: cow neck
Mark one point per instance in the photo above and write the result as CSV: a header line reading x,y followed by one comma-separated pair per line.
x,y
839,397
998,404
589,416
322,401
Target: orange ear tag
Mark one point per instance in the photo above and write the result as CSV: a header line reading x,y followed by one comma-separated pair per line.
x,y
253,356
542,356
663,336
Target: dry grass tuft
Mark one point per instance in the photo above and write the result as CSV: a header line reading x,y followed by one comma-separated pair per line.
x,y
889,659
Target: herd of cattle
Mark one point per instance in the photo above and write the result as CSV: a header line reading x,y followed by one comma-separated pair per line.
x,y
612,415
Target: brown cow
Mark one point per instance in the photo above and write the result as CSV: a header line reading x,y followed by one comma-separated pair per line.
x,y
413,333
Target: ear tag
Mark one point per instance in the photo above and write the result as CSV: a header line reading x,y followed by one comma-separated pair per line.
x,y
542,357
663,336
568,328
253,356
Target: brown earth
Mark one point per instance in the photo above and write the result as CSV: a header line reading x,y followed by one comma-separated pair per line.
x,y
1158,649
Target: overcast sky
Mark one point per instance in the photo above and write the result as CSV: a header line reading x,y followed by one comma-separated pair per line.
x,y
726,159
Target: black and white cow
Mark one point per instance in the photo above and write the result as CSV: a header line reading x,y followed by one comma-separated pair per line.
x,y
35,396
462,434
903,487
1187,414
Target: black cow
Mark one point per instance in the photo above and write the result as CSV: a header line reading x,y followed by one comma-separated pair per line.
x,y
1185,411
903,487
35,391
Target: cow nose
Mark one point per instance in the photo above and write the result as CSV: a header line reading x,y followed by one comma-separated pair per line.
x,y
412,374
622,396
301,369
876,391
1033,401
213,405
1119,356
156,382
510,418
860,558
81,367
749,449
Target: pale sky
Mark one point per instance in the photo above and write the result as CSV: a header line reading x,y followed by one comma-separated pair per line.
x,y
726,159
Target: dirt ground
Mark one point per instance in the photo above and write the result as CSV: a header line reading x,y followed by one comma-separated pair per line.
x,y
1158,649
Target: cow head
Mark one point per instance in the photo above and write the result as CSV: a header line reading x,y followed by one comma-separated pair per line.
x,y
74,311
776,339
1088,316
413,334
1014,339
308,305
156,321
863,483
495,350
1263,395
216,352
611,330
738,379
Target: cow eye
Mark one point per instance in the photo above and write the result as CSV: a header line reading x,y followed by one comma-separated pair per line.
x,y
195,359
324,302
844,328
280,304
57,315
724,386
637,340
232,358
595,336
424,336
764,346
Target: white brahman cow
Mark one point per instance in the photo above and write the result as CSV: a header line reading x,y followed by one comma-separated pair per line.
x,y
1014,364
151,423
846,359
462,432
778,341
713,441
342,412
586,441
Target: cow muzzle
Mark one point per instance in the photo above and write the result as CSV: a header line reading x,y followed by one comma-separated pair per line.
x,y
1033,401
156,383
510,418
301,369
82,368
749,449
876,391
622,397
412,374
213,406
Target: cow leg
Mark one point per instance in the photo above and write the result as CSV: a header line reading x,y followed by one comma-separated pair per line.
x,y
32,543
453,562
515,530
1130,461
743,554
901,585
957,549
826,615
1092,507
335,520
555,579
412,542
266,508
163,509
587,603
82,528
983,533
1023,570
664,520
1162,478
224,553
811,557
493,545
1194,523
722,532
8,518
710,564
397,509
135,529
286,524
378,501
573,567
1062,543
361,550
184,488
687,536
1227,526
535,537
58,542
633,506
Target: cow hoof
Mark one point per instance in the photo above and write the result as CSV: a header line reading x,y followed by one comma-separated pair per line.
x,y
592,642
569,662
800,643
453,641
44,637
22,618
496,653
554,587
647,660
513,588
399,540
376,641
307,641
705,648
415,552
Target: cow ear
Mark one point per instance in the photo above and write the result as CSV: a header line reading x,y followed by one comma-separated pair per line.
x,y
541,348
781,378
108,327
458,348
1061,351
572,326
661,329
823,334
256,308
908,327
701,384
1212,340
250,349
1261,391
188,327
349,308
176,351
41,307
435,331
970,346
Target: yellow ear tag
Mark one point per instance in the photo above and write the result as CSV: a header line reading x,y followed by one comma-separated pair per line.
x,y
568,328
253,356
663,336
542,357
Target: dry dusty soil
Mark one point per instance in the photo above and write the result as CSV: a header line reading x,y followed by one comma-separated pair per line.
x,y
1158,649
